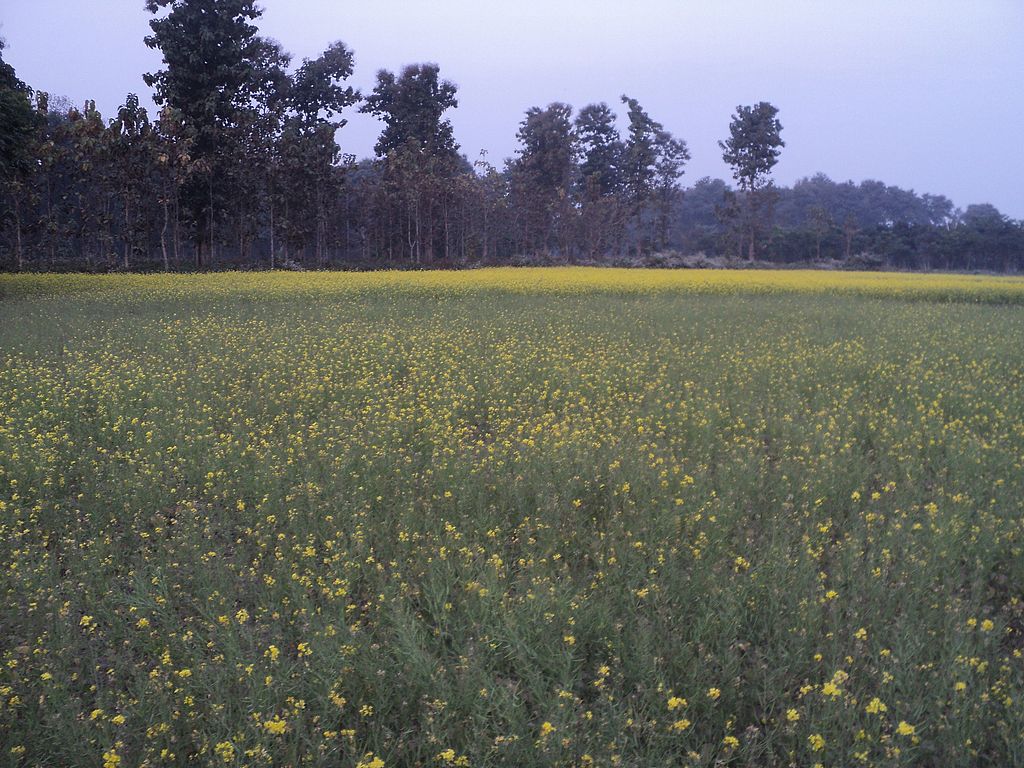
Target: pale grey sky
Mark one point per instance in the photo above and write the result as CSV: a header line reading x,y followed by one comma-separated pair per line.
x,y
925,94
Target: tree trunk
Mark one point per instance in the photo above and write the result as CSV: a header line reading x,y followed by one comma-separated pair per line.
x,y
19,254
272,262
110,255
409,236
209,186
176,232
486,232
50,226
163,237
127,233
318,198
447,237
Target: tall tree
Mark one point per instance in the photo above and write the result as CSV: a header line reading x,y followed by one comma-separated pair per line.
x,y
672,156
18,122
132,149
821,225
174,164
306,179
89,157
489,205
217,72
600,179
419,159
18,125
653,162
752,150
542,177
640,153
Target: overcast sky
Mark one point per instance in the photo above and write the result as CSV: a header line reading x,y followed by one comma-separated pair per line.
x,y
925,94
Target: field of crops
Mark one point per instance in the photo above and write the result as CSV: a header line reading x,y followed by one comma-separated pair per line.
x,y
512,517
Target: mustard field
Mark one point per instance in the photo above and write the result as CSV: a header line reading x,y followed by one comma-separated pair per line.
x,y
536,517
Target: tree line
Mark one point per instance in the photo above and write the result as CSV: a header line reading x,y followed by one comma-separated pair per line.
x,y
241,168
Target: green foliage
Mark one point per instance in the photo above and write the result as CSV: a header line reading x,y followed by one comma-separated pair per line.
x,y
220,77
412,107
133,152
548,150
421,177
18,123
601,149
316,90
754,145
752,150
653,163
543,174
303,152
215,64
242,168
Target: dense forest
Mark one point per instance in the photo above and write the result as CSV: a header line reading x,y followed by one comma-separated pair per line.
x,y
241,168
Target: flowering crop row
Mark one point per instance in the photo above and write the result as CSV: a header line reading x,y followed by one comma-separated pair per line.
x,y
511,517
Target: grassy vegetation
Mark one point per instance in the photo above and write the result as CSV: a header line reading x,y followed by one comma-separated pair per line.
x,y
537,517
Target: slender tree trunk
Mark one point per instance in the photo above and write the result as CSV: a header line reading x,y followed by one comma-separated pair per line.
x,y
50,226
464,228
420,239
163,237
751,203
348,226
318,198
272,263
176,232
83,238
127,232
108,216
209,185
387,233
447,238
18,253
666,210
486,232
407,231
428,236
319,237
98,242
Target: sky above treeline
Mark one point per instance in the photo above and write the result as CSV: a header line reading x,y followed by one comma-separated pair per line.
x,y
924,94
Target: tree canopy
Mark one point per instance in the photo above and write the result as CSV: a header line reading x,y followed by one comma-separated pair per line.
x,y
18,122
754,144
242,166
